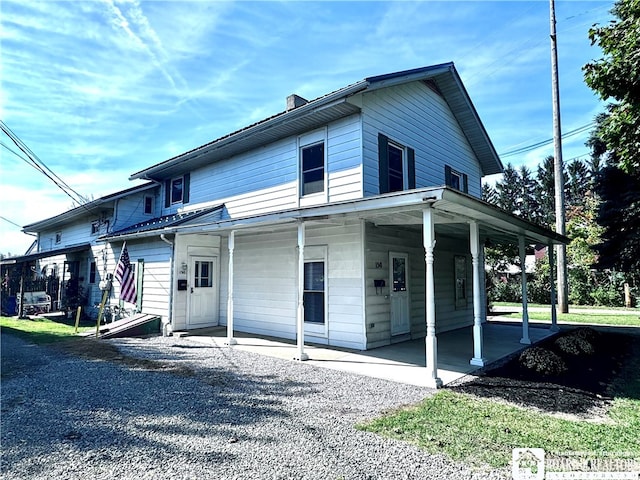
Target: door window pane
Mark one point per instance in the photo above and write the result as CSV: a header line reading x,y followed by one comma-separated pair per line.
x,y
399,274
202,274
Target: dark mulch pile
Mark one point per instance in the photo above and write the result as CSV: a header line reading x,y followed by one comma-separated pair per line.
x,y
574,372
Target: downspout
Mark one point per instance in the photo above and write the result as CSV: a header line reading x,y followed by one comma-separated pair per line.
x,y
112,227
167,328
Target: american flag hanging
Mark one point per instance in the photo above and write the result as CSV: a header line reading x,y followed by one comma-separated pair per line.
x,y
124,274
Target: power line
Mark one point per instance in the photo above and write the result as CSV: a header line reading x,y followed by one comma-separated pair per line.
x,y
548,141
19,226
33,160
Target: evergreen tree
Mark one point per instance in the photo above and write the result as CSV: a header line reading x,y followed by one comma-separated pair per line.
x,y
489,194
527,202
545,186
616,137
578,184
508,190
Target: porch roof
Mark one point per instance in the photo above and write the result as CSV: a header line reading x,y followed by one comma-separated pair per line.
x,y
45,254
453,212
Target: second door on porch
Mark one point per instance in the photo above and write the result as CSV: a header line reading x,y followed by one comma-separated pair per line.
x,y
399,293
203,292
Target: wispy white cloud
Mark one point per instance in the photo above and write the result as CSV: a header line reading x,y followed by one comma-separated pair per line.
x,y
100,89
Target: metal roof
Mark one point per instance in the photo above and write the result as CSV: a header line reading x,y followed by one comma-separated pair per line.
x,y
167,221
90,208
46,254
333,106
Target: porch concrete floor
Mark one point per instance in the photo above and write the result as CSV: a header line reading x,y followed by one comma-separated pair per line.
x,y
401,362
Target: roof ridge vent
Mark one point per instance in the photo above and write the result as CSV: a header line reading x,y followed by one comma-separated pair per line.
x,y
295,101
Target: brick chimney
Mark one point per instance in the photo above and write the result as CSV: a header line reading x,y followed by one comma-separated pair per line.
x,y
295,101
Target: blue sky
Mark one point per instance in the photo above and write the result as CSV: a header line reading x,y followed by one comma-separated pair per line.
x,y
102,89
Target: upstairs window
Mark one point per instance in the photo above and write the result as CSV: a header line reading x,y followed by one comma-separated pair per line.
x,y
176,191
397,166
455,179
312,169
148,205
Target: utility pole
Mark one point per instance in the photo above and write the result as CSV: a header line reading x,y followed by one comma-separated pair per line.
x,y
561,250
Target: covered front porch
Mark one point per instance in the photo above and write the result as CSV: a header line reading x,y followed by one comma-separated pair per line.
x,y
401,362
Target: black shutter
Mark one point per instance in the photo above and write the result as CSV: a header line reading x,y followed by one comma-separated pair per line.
x,y
167,193
465,180
383,163
185,187
447,175
411,168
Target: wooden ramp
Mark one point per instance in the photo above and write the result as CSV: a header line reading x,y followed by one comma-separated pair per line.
x,y
134,326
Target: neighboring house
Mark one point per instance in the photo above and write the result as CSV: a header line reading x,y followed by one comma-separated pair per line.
x,y
351,220
68,262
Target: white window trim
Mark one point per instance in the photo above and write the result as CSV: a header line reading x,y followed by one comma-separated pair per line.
x,y
308,140
317,253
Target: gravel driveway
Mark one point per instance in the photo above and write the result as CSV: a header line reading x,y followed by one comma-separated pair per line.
x,y
172,408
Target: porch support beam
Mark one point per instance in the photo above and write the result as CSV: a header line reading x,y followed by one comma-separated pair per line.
x,y
429,240
300,354
525,308
554,315
474,242
230,339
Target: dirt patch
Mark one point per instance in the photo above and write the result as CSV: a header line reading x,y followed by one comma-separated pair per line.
x,y
573,374
99,350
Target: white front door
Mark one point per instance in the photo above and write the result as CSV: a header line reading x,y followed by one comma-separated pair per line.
x,y
399,291
203,292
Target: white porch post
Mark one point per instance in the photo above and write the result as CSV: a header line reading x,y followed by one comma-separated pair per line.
x,y
525,309
474,241
554,315
429,241
300,316
230,339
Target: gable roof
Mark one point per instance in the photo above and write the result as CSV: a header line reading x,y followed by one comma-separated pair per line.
x,y
90,208
330,107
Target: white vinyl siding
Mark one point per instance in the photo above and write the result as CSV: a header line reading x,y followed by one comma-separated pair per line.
x,y
157,274
74,233
382,240
266,179
130,209
265,283
414,115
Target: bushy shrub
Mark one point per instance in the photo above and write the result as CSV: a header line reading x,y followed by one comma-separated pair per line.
x,y
542,361
505,291
574,345
587,333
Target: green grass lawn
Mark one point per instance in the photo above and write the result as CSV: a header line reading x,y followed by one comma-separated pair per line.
x,y
482,432
39,330
586,318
